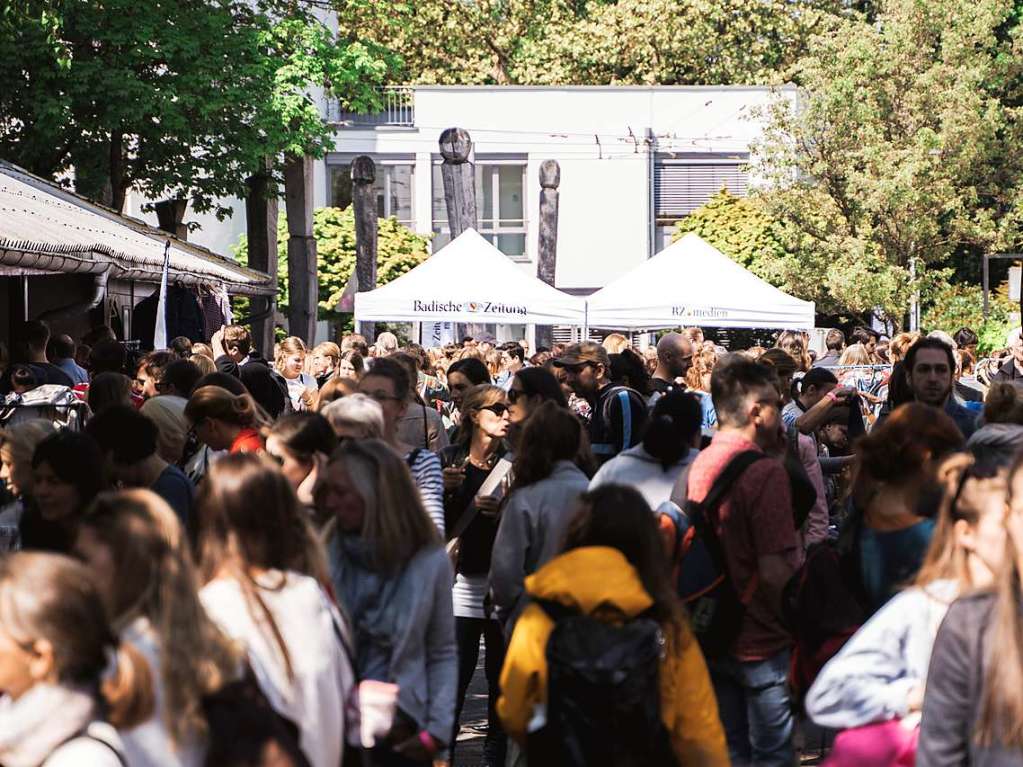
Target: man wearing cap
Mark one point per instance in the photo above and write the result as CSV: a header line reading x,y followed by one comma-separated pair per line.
x,y
1012,370
619,413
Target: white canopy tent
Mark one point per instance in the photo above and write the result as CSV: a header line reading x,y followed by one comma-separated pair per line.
x,y
692,283
469,280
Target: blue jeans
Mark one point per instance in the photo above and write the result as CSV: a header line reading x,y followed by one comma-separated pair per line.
x,y
753,703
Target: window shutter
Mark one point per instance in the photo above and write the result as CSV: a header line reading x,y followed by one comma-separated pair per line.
x,y
681,187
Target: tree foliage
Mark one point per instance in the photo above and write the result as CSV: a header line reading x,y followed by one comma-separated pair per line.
x,y
591,42
180,99
399,250
904,151
951,307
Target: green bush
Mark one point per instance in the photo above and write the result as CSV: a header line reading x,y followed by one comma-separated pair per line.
x,y
399,250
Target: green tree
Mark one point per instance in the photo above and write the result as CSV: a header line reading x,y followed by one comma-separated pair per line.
x,y
399,250
591,42
951,307
742,229
180,99
904,151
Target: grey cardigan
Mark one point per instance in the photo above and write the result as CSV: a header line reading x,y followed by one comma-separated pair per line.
x,y
955,688
404,628
532,526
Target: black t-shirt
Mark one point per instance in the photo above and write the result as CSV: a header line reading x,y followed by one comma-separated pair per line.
x,y
661,386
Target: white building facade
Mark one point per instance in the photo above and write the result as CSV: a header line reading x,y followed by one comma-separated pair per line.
x,y
634,160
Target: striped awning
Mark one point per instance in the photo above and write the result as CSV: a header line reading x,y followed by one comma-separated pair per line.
x,y
44,228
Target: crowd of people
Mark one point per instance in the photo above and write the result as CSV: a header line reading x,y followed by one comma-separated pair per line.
x,y
674,555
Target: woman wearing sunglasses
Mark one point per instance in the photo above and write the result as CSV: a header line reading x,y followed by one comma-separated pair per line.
x,y
472,519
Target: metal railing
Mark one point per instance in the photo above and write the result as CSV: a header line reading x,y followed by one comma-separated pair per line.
x,y
398,109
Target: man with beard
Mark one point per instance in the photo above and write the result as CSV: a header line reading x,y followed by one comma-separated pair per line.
x,y
930,372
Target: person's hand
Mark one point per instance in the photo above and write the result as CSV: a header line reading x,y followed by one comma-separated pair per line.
x,y
308,396
453,478
488,505
915,699
414,750
217,343
843,394
306,490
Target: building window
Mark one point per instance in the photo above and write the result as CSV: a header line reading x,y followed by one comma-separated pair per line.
x,y
394,187
500,206
682,184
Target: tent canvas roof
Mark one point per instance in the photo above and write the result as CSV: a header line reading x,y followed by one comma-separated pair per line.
x,y
469,280
46,229
692,283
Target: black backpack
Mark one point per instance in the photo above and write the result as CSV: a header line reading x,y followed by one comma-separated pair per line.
x,y
603,694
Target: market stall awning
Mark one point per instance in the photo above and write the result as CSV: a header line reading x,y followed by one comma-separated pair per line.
x,y
50,230
692,283
469,280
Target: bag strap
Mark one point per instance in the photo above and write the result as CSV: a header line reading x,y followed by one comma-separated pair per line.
x,y
84,734
467,516
727,478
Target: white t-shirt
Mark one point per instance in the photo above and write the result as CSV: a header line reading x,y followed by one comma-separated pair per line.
x,y
309,624
298,385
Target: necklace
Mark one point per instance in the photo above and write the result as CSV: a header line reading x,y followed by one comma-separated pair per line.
x,y
486,465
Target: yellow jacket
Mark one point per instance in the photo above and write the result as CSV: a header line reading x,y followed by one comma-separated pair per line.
x,y
584,579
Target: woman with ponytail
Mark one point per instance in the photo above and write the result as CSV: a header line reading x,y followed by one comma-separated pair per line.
x,y
67,681
225,421
669,445
264,572
881,673
973,707
139,559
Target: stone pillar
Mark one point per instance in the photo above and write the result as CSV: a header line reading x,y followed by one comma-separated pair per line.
x,y
459,176
547,244
303,288
364,202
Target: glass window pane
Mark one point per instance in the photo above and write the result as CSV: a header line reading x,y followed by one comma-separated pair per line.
x,y
512,244
510,205
340,186
440,209
400,202
487,174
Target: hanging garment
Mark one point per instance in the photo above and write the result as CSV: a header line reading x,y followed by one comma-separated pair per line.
x,y
184,317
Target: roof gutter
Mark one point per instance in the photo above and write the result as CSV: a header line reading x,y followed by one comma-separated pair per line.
x,y
80,307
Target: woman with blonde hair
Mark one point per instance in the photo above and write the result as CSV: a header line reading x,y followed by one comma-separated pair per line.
x,y
323,363
973,705
289,362
61,704
17,444
139,559
881,672
615,343
264,573
225,421
389,568
204,363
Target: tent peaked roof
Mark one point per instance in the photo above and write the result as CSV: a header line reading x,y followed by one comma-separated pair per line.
x,y
469,280
692,283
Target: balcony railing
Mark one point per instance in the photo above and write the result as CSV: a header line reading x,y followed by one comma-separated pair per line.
x,y
399,109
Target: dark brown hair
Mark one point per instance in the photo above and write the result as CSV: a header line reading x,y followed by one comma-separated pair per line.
x,y
903,444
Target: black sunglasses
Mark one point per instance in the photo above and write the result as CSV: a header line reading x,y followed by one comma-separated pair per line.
x,y
498,408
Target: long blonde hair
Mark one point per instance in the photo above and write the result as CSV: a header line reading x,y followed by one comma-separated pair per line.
x,y
218,403
250,520
156,579
395,523
1001,704
964,491
287,347
53,597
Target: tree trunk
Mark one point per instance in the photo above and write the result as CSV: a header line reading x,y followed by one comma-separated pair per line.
x,y
459,177
118,178
546,264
